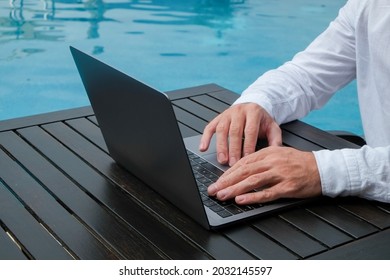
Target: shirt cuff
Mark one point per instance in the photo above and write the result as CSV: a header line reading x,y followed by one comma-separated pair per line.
x,y
339,172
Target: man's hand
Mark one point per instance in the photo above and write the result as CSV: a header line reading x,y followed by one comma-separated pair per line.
x,y
238,129
276,172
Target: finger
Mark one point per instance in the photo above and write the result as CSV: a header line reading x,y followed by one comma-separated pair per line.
x,y
274,135
262,196
223,182
247,185
208,133
222,132
241,169
235,139
251,135
246,175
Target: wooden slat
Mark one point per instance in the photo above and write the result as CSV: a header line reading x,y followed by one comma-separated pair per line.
x,y
185,131
45,118
95,136
152,229
292,140
63,224
298,242
225,96
193,91
200,111
315,227
129,242
27,230
89,131
343,220
211,103
217,245
93,119
383,206
189,119
258,244
84,207
317,136
9,250
373,247
367,211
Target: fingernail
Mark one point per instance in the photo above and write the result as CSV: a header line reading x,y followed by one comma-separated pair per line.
x,y
240,199
221,195
221,158
212,189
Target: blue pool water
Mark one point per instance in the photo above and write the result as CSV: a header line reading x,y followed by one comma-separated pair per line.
x,y
169,44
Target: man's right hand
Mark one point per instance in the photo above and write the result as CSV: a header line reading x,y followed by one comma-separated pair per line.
x,y
237,130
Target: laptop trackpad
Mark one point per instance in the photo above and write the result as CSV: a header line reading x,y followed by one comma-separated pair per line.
x,y
192,144
212,158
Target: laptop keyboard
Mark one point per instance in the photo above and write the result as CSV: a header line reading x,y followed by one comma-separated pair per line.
x,y
206,174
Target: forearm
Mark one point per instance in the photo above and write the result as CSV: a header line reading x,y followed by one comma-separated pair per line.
x,y
311,78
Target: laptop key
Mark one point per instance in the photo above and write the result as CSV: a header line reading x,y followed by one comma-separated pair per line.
x,y
209,203
207,184
212,168
246,207
233,209
199,160
224,214
216,208
203,180
211,176
202,188
205,174
258,205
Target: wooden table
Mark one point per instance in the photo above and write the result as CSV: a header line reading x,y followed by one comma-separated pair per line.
x,y
63,197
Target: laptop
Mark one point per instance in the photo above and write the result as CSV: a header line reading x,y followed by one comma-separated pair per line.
x,y
141,132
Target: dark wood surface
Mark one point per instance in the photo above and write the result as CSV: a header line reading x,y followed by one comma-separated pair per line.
x,y
63,197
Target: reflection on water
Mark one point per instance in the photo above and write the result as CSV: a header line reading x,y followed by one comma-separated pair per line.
x,y
169,44
49,20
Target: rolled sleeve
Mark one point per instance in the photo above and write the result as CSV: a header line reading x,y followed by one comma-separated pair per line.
x,y
355,172
311,78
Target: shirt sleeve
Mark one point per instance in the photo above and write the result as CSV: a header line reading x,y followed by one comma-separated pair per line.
x,y
309,80
355,172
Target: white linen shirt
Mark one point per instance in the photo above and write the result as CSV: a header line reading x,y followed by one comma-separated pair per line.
x,y
355,45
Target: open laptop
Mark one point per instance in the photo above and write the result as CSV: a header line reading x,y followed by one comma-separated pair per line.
x,y
142,135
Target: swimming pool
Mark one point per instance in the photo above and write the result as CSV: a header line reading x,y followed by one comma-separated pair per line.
x,y
169,44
